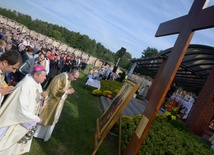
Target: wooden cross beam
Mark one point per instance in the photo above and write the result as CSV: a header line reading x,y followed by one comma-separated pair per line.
x,y
197,19
203,21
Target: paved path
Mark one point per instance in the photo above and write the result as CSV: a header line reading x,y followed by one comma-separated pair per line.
x,y
134,107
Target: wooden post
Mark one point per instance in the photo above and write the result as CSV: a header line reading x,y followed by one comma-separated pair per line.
x,y
97,140
197,19
148,96
120,134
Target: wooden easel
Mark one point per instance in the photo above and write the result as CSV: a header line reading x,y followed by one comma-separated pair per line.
x,y
98,141
102,131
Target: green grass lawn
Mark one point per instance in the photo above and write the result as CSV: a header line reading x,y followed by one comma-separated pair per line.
x,y
76,125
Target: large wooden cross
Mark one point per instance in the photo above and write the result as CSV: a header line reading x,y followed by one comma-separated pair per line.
x,y
197,19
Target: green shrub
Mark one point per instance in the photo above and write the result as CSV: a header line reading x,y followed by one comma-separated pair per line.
x,y
165,137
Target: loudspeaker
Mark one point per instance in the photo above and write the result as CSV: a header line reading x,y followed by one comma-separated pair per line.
x,y
114,69
121,52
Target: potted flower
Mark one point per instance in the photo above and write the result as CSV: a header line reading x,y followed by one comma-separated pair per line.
x,y
96,92
107,93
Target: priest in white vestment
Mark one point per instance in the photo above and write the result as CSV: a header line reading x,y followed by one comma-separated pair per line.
x,y
57,91
19,114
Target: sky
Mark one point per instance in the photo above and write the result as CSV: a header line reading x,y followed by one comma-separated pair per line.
x,y
131,24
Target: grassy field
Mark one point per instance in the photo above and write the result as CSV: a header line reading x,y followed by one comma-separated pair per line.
x,y
78,122
76,126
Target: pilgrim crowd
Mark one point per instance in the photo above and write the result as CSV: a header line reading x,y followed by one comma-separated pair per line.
x,y
35,79
34,51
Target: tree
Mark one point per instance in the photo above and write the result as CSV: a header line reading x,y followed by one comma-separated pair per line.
x,y
56,34
73,39
149,52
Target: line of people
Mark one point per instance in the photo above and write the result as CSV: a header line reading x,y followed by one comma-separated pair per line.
x,y
105,73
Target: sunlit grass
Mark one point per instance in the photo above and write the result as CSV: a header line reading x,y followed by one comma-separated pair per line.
x,y
76,126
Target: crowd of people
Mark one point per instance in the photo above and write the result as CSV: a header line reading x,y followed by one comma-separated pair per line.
x,y
35,80
104,73
183,94
34,51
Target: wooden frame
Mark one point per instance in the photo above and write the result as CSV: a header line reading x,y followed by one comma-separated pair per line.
x,y
113,112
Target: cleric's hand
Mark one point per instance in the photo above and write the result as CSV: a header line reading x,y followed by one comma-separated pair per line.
x,y
6,90
70,91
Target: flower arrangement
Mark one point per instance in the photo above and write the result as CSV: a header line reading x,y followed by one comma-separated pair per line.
x,y
172,109
96,92
172,115
170,104
107,93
